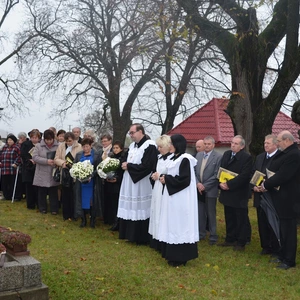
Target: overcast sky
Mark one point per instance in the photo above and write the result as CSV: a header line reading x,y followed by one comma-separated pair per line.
x,y
38,116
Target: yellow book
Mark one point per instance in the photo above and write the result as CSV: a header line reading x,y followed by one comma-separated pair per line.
x,y
257,178
225,175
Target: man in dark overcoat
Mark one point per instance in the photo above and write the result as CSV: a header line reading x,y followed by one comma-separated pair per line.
x,y
235,194
286,166
268,240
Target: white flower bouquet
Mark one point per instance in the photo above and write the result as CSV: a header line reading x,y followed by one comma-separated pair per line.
x,y
107,168
82,171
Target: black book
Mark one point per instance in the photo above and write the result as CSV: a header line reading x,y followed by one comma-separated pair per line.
x,y
51,154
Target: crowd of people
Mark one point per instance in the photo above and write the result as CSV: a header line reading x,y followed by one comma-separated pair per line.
x,y
160,195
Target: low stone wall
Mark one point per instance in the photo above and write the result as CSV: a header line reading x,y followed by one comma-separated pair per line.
x,y
21,278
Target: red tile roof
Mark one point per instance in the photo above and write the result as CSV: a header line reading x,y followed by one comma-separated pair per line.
x,y
212,120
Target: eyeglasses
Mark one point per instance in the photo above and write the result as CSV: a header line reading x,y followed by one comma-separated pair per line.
x,y
132,132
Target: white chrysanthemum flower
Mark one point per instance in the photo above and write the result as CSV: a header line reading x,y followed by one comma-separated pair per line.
x,y
108,165
82,170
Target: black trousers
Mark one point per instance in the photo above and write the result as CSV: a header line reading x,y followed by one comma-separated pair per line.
x,y
237,225
31,195
288,239
53,198
67,199
268,240
110,204
7,184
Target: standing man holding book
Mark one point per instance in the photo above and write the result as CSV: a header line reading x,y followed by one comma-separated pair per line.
x,y
268,240
208,163
286,199
235,194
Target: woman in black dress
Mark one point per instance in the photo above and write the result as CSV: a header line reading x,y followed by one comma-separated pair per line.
x,y
112,190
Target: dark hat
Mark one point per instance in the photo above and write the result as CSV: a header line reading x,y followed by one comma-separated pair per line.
x,y
13,137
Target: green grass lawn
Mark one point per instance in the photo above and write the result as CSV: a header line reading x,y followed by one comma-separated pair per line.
x,y
94,264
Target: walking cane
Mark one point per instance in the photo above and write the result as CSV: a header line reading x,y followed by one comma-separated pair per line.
x,y
15,185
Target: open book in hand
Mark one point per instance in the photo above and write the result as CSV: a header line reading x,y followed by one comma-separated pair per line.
x,y
225,175
270,174
257,178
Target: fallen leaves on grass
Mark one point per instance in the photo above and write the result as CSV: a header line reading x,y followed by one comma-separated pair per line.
x,y
181,286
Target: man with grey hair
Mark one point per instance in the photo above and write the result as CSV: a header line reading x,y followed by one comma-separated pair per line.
x,y
268,240
77,132
208,164
286,166
235,194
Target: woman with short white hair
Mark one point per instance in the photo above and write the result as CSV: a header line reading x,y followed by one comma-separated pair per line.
x,y
163,146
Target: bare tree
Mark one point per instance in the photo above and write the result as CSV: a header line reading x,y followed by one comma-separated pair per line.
x,y
180,83
99,121
96,52
11,87
247,45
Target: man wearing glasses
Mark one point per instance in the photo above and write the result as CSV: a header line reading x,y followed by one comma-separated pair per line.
x,y
136,190
284,189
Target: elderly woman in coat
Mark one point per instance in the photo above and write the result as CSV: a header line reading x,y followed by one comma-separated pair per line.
x,y
65,153
88,196
10,159
28,168
43,155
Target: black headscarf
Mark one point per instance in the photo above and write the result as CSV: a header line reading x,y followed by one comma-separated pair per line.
x,y
179,143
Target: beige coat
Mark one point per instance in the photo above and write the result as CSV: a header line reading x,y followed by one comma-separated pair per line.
x,y
60,155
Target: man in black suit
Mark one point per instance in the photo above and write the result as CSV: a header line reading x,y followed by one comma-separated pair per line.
x,y
268,240
286,166
235,194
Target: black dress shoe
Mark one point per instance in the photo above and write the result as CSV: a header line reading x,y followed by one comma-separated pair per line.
x,y
115,227
266,252
275,260
284,266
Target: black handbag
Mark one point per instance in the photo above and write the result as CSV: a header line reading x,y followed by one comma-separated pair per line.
x,y
56,175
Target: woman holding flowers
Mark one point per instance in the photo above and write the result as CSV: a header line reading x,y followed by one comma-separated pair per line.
x,y
88,191
112,185
64,158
